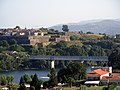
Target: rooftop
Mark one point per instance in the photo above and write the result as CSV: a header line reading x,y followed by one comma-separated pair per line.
x,y
1,87
114,76
97,72
100,71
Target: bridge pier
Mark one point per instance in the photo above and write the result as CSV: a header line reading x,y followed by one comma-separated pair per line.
x,y
52,64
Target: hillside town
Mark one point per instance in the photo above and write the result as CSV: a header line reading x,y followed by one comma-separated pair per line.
x,y
15,43
33,36
43,36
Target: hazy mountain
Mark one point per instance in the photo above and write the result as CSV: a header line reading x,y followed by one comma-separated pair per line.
x,y
107,26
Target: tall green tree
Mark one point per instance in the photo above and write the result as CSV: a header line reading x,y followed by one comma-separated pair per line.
x,y
10,79
22,81
74,69
114,59
3,80
35,82
65,28
26,78
52,78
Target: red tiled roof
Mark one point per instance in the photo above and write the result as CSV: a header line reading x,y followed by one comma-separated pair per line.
x,y
100,71
97,72
114,76
2,86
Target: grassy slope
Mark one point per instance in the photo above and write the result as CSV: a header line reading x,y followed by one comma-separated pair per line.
x,y
83,88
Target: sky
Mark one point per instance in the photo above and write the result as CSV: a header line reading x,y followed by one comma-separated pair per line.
x,y
46,13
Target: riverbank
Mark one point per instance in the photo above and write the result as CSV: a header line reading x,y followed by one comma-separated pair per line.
x,y
40,72
17,74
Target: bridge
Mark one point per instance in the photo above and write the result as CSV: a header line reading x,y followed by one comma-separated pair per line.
x,y
79,58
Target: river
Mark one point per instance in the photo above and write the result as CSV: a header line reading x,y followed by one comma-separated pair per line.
x,y
41,73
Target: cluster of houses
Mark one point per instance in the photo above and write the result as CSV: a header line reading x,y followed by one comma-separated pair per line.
x,y
36,36
102,76
32,36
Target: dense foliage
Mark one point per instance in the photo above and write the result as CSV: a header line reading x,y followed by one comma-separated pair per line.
x,y
53,81
114,59
85,46
35,83
74,71
8,80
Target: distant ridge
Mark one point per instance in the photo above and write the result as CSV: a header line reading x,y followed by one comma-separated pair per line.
x,y
108,26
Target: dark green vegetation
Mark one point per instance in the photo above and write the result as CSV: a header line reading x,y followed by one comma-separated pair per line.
x,y
70,74
65,28
53,81
34,82
114,59
8,80
86,45
110,87
73,72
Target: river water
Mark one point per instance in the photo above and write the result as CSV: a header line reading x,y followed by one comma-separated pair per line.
x,y
40,73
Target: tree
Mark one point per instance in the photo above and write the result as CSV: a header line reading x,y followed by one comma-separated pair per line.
x,y
6,61
62,75
35,82
42,50
50,51
22,84
80,32
52,78
65,28
10,79
3,80
61,44
74,71
35,50
70,80
26,78
76,50
22,81
114,59
17,27
19,58
77,70
89,33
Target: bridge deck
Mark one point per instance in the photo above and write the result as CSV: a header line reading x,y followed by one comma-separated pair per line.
x,y
81,58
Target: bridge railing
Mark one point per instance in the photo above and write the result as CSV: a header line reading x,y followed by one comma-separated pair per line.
x,y
82,58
